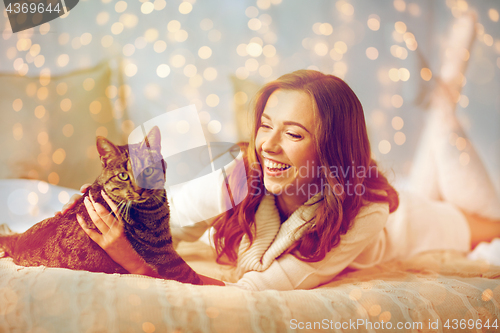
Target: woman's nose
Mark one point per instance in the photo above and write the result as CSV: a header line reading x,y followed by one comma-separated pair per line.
x,y
271,143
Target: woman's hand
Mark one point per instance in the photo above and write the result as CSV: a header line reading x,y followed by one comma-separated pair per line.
x,y
112,238
74,198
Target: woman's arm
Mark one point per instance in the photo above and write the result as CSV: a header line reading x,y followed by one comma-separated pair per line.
x,y
113,241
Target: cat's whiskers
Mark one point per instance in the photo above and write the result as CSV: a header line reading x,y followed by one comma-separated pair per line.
x,y
119,207
127,210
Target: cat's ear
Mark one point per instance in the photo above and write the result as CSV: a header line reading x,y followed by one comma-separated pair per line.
x,y
107,150
153,139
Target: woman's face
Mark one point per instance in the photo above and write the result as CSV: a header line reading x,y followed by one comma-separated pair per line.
x,y
285,145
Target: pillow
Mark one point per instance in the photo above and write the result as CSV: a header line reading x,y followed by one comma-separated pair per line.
x,y
49,125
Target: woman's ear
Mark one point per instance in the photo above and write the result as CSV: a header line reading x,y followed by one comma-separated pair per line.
x,y
107,150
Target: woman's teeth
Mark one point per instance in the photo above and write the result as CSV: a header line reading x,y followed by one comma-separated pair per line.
x,y
276,166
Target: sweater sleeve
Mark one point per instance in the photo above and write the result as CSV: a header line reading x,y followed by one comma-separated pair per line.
x,y
194,205
288,273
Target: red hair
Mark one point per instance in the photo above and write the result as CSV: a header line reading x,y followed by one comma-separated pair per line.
x,y
341,142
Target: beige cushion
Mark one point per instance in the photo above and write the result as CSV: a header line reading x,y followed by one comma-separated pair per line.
x,y
49,125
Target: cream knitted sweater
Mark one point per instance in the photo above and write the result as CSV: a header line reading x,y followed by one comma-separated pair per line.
x,y
262,266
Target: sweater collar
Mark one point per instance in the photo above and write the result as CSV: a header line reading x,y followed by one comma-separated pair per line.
x,y
272,237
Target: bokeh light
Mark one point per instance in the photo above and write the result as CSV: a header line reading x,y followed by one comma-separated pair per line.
x,y
399,5
128,50
63,60
53,178
163,70
17,105
493,14
40,111
117,28
340,47
17,131
204,52
414,9
102,18
400,27
204,117
130,69
58,156
147,8
67,130
372,53
61,88
120,6
177,60
464,158
65,104
214,126
464,101
321,49
185,8
384,147
210,74
95,107
254,49
160,46
205,24
151,35
101,131
426,74
190,70
240,98
88,84
63,197
397,123
107,41
397,101
212,100
399,138
373,22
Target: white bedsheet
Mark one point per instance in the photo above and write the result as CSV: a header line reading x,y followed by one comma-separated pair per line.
x,y
432,287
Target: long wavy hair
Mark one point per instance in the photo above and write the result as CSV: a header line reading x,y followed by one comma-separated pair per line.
x,y
342,145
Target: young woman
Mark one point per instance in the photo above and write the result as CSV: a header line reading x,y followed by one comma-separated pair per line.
x,y
316,201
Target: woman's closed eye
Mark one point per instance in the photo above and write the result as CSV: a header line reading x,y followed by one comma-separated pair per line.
x,y
295,136
290,134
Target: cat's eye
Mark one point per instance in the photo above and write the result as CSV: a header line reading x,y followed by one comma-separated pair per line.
x,y
123,176
148,171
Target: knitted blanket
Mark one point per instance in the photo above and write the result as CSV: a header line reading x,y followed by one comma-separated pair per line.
x,y
430,292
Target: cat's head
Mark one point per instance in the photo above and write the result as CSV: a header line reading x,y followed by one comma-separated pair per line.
x,y
134,172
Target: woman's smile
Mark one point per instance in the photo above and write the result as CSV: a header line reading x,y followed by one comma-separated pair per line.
x,y
274,168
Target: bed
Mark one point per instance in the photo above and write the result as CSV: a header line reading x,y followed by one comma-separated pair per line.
x,y
434,291
430,292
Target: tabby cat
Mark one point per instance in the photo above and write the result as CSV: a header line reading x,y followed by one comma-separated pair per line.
x,y
133,176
